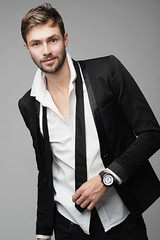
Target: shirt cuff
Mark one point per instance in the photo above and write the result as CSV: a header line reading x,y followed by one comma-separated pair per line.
x,y
115,176
43,237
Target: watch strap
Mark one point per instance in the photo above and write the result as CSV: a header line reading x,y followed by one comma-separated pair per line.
x,y
102,173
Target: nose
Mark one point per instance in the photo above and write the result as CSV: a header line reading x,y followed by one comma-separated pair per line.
x,y
46,49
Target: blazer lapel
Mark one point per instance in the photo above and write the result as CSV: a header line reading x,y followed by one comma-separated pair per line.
x,y
106,154
45,145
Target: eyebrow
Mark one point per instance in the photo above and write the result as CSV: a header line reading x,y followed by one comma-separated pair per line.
x,y
38,40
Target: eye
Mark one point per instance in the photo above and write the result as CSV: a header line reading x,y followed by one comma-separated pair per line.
x,y
53,40
35,44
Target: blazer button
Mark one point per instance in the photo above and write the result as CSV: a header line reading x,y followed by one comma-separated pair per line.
x,y
105,155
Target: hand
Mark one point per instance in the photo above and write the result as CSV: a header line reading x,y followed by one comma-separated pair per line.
x,y
90,193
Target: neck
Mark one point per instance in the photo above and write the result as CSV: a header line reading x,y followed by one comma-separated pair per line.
x,y
59,81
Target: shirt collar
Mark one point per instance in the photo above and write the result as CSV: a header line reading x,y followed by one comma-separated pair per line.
x,y
39,90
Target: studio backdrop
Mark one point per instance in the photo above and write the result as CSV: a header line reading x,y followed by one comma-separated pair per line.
x,y
128,29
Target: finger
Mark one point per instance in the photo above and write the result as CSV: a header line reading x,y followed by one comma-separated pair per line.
x,y
80,200
91,206
76,196
85,204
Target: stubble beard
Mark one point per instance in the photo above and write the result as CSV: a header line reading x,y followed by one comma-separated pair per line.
x,y
52,68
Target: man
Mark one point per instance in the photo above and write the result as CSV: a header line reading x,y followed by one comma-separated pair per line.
x,y
89,113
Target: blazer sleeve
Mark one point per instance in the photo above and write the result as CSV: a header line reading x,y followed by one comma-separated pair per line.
x,y
139,116
45,201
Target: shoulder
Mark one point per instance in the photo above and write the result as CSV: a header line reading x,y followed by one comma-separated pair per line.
x,y
25,97
103,65
28,107
101,60
26,101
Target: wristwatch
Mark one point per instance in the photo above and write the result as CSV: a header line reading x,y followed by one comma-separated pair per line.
x,y
106,178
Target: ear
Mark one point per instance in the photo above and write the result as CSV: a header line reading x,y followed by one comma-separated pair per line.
x,y
25,44
66,39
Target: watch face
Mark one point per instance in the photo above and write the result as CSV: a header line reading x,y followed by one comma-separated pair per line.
x,y
108,180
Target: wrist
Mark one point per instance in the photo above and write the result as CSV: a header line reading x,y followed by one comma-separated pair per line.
x,y
116,177
106,178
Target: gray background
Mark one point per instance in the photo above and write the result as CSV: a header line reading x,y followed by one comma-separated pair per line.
x,y
128,29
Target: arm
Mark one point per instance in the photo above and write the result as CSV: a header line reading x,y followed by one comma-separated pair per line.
x,y
143,124
138,116
44,223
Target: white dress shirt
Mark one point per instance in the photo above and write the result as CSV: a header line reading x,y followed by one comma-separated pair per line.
x,y
110,208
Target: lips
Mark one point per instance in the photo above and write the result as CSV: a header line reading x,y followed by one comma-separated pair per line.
x,y
49,60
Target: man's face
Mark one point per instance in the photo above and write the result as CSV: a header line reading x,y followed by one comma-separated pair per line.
x,y
46,46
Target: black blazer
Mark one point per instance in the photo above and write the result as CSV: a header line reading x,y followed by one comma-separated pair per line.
x,y
128,133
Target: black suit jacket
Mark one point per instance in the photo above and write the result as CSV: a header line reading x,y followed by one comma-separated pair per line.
x,y
128,133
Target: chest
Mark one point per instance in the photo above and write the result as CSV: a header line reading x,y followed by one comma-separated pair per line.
x,y
62,133
61,101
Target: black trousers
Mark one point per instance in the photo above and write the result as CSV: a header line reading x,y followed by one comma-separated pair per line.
x,y
132,228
